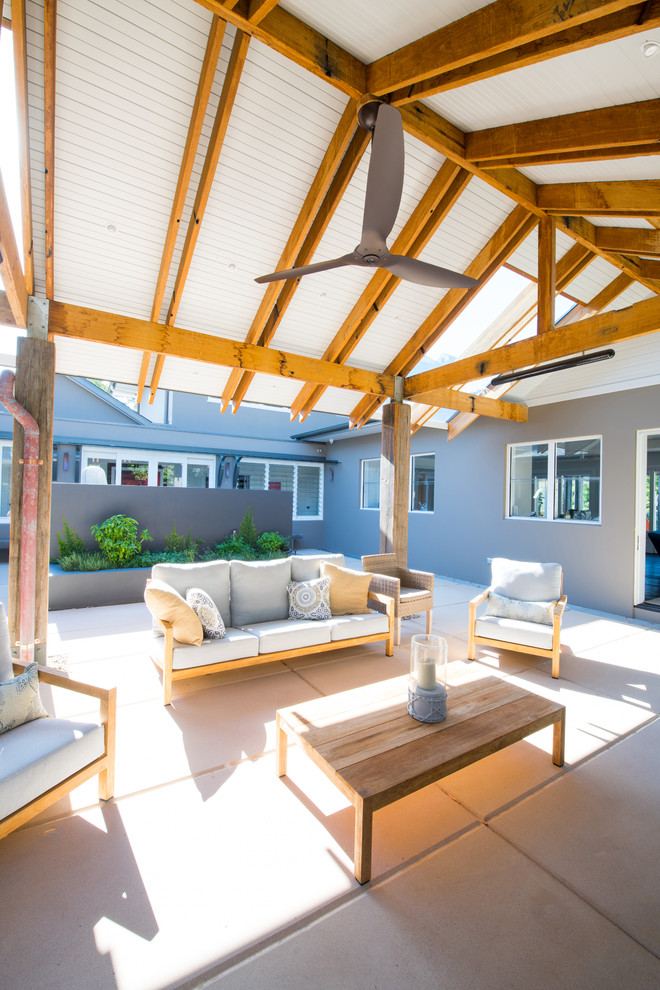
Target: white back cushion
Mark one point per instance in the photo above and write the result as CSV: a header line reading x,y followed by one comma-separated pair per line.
x,y
525,580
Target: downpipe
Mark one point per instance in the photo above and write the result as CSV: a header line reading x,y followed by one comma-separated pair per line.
x,y
28,564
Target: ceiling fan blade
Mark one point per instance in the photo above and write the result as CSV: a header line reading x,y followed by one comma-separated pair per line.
x,y
321,266
414,270
385,179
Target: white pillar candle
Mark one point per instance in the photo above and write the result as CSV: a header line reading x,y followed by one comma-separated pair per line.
x,y
426,674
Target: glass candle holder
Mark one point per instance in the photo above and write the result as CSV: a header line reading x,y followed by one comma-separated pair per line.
x,y
427,682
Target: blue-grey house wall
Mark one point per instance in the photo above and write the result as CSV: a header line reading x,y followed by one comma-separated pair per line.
x,y
468,524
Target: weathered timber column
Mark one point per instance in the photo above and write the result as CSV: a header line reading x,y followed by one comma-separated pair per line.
x,y
395,480
547,286
35,382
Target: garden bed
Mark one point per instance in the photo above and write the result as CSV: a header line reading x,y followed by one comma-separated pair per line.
x,y
85,589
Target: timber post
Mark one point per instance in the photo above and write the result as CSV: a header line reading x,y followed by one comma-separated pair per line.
x,y
34,390
395,480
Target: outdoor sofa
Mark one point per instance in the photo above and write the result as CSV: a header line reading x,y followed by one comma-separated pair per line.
x,y
257,602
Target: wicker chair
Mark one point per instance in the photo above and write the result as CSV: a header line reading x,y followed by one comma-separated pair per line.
x,y
412,591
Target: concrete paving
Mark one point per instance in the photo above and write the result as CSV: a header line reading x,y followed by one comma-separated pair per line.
x,y
207,870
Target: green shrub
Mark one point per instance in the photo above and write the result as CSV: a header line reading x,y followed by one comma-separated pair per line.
x,y
69,542
247,531
235,547
183,544
85,561
273,543
118,539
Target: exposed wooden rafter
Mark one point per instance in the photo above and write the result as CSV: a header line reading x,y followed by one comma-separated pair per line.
x,y
10,264
643,16
81,323
596,199
334,173
441,195
595,331
227,97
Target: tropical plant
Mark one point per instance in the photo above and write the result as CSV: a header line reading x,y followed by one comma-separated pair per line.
x,y
247,531
118,539
68,541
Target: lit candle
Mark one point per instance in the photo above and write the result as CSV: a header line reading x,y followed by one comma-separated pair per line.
x,y
426,674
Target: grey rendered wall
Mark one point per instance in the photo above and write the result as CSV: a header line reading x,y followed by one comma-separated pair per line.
x,y
468,524
211,514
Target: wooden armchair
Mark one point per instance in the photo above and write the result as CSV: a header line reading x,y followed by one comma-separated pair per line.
x,y
411,591
524,611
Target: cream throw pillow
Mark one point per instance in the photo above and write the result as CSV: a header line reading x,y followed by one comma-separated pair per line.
x,y
511,608
165,603
19,699
348,589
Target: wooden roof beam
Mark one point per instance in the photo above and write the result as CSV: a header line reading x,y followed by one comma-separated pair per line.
x,y
441,195
342,157
592,237
596,199
10,264
628,240
504,242
81,323
650,268
595,331
608,128
209,66
643,16
449,398
50,26
298,42
498,27
225,106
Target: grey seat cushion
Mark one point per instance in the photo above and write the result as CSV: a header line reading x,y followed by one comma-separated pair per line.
x,y
290,634
515,631
40,754
211,577
309,568
259,590
236,644
525,580
353,626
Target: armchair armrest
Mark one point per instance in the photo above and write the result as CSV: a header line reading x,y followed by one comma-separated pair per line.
x,y
416,579
558,610
481,597
384,584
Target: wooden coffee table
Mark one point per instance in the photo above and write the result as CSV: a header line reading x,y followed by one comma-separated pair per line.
x,y
367,744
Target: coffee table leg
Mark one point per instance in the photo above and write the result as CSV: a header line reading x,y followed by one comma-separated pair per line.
x,y
281,746
558,740
363,836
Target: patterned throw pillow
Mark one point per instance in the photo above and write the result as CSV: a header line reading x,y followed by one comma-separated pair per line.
x,y
206,611
19,699
511,608
309,599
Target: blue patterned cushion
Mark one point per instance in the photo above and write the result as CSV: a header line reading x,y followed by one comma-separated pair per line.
x,y
511,608
309,599
19,699
206,611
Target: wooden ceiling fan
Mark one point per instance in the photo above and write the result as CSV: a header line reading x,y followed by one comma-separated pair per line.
x,y
382,201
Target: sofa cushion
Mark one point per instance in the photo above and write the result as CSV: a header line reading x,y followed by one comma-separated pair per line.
x,y
20,701
236,644
511,608
212,577
38,755
309,599
514,631
259,590
204,608
348,589
6,668
353,626
165,603
289,634
525,580
309,568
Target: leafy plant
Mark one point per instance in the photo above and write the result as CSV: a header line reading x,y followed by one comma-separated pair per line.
x,y
69,542
188,545
85,561
273,543
235,547
118,539
247,531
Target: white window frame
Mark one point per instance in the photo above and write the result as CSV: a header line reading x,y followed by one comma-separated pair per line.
x,y
550,491
367,508
421,512
152,457
295,465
